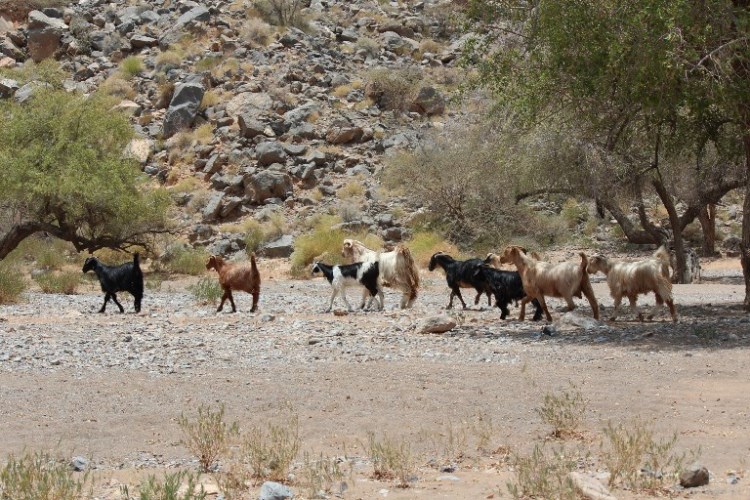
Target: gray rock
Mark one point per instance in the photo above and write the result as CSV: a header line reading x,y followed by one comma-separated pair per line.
x,y
143,41
573,320
229,205
343,132
184,106
197,14
281,248
249,103
275,491
213,207
267,184
436,324
27,91
8,87
270,152
250,127
694,476
429,102
79,464
300,114
39,21
590,487
8,48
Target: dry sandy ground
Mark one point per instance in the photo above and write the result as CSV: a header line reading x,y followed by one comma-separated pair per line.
x,y
372,372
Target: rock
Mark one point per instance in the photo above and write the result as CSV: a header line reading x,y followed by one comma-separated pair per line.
x,y
139,149
275,491
267,184
5,26
270,152
249,103
397,27
39,21
79,464
195,15
694,476
184,106
9,48
228,205
8,87
43,43
213,207
342,132
573,320
429,102
589,487
280,248
436,324
27,91
143,41
250,127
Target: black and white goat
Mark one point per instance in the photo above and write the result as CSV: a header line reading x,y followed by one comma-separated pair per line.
x,y
506,286
461,274
123,278
366,274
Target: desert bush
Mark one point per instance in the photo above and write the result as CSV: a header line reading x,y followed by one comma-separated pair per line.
x,y
544,474
256,31
39,476
354,189
564,411
209,436
270,450
170,488
208,63
283,13
425,243
206,291
131,66
168,60
117,86
636,460
12,284
370,46
320,474
63,282
393,89
391,458
349,212
187,261
322,243
47,253
210,99
574,213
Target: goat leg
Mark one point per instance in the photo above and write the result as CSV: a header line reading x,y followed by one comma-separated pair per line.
x,y
256,296
616,310
537,310
333,297
457,292
543,303
104,306
343,296
114,298
231,300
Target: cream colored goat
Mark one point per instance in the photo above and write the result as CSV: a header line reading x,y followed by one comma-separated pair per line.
x,y
630,279
397,267
540,279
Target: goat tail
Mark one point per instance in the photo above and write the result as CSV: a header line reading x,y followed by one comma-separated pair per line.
x,y
253,263
584,262
136,258
405,266
663,256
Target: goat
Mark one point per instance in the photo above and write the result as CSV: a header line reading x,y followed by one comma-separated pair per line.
x,y
123,278
460,274
506,286
540,279
365,274
397,267
236,276
630,279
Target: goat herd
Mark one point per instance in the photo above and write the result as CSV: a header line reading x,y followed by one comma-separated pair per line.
x,y
532,282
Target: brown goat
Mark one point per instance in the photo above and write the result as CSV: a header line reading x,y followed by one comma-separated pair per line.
x,y
565,280
236,276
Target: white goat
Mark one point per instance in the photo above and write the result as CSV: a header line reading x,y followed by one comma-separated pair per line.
x,y
630,279
540,279
397,267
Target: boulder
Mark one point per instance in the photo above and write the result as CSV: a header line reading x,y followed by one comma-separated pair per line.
x,y
8,87
184,106
249,103
429,102
589,487
280,248
198,14
143,41
275,491
250,127
5,26
39,21
694,476
43,43
573,321
343,132
213,207
270,152
267,184
8,48
139,149
436,324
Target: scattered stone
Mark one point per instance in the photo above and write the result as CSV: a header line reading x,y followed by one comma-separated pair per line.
x,y
694,476
275,491
280,248
429,102
8,87
589,487
79,464
436,324
184,106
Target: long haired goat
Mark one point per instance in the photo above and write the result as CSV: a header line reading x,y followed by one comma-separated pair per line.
x,y
540,279
236,276
630,279
397,267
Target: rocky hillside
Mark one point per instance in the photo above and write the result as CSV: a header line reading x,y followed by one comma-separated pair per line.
x,y
250,109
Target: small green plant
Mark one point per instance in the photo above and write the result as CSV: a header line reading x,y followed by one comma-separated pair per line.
x,y
391,458
63,282
393,89
39,476
255,236
206,291
12,284
544,474
209,436
574,213
321,475
208,63
636,460
271,450
188,261
168,489
426,243
564,411
131,66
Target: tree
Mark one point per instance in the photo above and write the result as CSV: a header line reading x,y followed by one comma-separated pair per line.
x,y
63,172
646,86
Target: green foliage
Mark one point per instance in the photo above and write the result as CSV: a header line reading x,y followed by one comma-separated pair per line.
x,y
544,474
391,458
63,282
185,260
168,489
206,291
12,284
564,411
38,476
321,474
47,253
131,66
207,437
271,450
63,169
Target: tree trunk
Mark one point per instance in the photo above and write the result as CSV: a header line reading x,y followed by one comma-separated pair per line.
x,y
636,236
707,218
674,221
13,237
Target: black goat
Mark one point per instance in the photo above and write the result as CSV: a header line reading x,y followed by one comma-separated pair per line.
x,y
123,278
366,274
506,286
461,274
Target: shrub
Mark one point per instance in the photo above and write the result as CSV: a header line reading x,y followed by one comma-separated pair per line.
x,y
188,261
12,284
271,450
283,12
64,282
40,476
393,89
349,212
256,31
206,291
171,488
370,46
168,60
209,436
574,213
564,411
208,63
391,458
351,190
425,243
255,236
320,475
544,474
117,86
637,461
210,99
131,66
322,243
